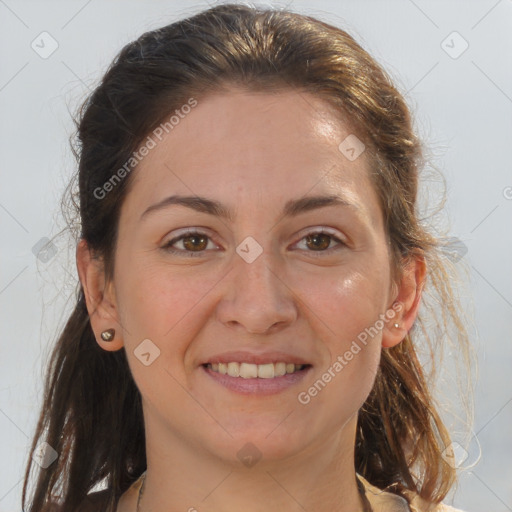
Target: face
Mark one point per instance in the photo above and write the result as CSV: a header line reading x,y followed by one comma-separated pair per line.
x,y
254,271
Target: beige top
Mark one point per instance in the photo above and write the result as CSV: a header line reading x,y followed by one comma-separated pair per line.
x,y
380,501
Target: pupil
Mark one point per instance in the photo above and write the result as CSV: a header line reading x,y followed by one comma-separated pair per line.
x,y
320,237
193,245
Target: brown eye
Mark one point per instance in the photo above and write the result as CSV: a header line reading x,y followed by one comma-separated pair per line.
x,y
188,244
318,241
321,243
195,242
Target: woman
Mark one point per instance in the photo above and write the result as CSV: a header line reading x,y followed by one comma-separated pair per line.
x,y
251,269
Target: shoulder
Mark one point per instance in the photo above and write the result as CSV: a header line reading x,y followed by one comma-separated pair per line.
x,y
418,504
387,501
97,501
94,502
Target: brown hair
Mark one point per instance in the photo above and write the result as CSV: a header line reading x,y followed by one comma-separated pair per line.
x,y
92,412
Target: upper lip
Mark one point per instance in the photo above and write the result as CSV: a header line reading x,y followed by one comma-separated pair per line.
x,y
242,356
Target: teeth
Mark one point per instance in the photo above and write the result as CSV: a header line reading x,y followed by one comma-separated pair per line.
x,y
280,369
233,369
252,371
266,371
248,371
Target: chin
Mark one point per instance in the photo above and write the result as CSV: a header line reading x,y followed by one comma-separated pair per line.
x,y
264,441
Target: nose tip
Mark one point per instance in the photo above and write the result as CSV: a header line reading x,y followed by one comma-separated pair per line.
x,y
252,326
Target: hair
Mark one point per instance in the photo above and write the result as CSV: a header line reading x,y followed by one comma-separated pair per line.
x,y
92,412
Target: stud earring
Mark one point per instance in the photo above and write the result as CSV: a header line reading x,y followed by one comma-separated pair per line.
x,y
108,335
396,326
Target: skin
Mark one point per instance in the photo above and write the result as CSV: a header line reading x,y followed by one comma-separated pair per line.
x,y
251,152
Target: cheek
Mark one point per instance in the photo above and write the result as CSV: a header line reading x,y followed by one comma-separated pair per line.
x,y
346,311
163,304
346,300
159,301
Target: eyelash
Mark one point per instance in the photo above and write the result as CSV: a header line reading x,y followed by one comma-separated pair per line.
x,y
183,252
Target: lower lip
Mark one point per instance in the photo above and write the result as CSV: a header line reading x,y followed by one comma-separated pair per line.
x,y
258,386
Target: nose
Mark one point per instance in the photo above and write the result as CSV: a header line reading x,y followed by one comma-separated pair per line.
x,y
256,298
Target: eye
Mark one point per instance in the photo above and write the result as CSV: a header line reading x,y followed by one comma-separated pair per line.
x,y
193,244
320,241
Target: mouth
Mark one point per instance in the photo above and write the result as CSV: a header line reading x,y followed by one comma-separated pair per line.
x,y
256,379
255,371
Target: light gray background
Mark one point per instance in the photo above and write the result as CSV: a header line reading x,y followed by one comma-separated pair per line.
x,y
463,110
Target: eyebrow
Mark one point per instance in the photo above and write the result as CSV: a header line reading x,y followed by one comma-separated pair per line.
x,y
292,208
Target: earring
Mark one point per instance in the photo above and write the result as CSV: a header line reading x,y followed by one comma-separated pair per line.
x,y
396,326
108,335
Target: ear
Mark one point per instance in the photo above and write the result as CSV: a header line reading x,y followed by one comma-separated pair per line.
x,y
99,297
406,303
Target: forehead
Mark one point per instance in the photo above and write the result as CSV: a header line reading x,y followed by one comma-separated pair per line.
x,y
268,146
269,127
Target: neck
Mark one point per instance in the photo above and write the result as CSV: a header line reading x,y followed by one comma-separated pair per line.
x,y
320,478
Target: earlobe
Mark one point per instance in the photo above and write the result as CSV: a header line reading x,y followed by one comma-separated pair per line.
x,y
99,297
409,299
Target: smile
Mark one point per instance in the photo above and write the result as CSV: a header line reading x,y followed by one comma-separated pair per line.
x,y
256,379
252,371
